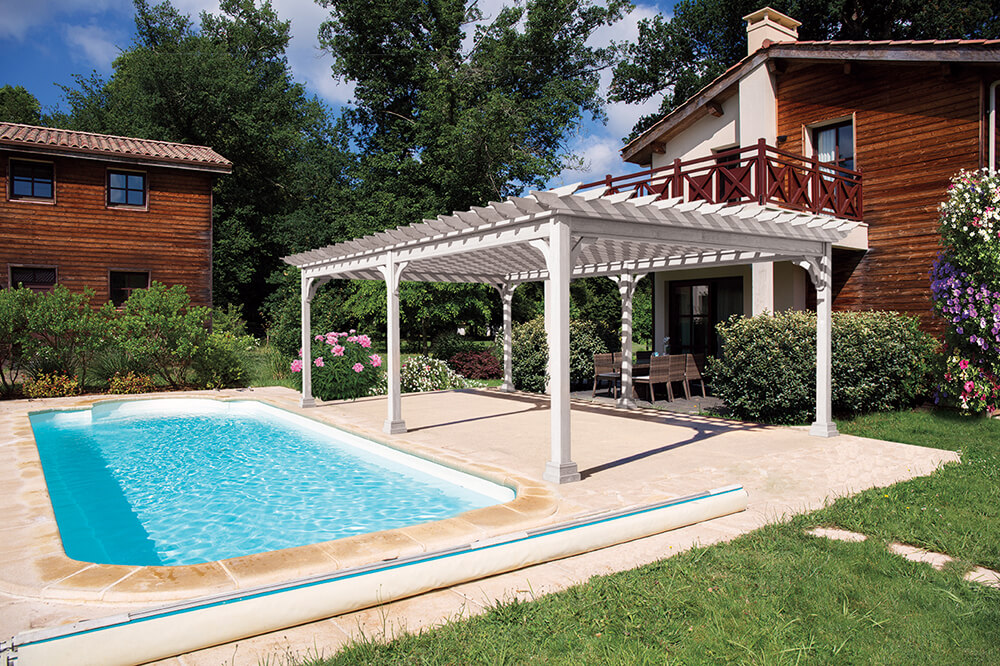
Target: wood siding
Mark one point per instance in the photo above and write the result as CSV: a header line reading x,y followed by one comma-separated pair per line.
x,y
914,129
85,239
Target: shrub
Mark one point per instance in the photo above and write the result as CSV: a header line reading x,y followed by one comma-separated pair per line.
x,y
16,306
224,360
447,345
51,385
158,328
965,287
423,373
67,333
130,383
881,361
476,365
530,353
344,366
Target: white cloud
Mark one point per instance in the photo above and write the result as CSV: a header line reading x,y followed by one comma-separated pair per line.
x,y
93,44
19,17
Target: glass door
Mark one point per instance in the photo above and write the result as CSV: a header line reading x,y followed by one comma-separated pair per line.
x,y
696,307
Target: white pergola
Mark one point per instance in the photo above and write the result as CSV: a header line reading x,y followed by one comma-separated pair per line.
x,y
562,234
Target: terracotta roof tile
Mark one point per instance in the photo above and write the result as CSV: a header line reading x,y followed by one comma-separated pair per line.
x,y
178,154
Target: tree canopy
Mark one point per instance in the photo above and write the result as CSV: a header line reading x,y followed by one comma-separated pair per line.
x,y
677,56
17,105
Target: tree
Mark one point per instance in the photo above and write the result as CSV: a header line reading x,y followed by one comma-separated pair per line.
x,y
677,56
17,105
226,85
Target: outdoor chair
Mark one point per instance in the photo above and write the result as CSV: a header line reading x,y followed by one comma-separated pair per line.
x,y
641,358
605,370
693,364
659,373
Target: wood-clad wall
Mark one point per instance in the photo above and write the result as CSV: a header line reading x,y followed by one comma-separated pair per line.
x,y
85,239
915,127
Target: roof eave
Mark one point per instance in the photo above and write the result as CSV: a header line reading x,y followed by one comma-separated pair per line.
x,y
141,160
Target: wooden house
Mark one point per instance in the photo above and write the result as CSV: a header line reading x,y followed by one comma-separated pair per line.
x,y
871,131
105,212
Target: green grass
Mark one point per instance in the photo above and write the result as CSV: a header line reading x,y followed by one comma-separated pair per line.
x,y
776,596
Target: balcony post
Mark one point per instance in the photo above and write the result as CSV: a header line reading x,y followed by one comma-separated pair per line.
x,y
816,188
677,185
761,171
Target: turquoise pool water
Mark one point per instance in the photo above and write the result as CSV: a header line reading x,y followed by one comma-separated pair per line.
x,y
184,481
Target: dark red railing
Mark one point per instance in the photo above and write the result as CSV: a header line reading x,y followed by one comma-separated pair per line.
x,y
759,174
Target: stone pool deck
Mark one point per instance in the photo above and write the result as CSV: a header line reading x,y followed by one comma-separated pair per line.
x,y
625,458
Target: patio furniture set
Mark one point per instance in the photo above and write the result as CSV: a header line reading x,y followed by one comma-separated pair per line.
x,y
651,370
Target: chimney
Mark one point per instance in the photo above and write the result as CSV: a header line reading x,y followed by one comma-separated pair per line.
x,y
769,25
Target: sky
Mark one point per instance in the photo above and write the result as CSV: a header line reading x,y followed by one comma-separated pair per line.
x,y
43,43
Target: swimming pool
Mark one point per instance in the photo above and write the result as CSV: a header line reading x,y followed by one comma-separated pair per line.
x,y
176,481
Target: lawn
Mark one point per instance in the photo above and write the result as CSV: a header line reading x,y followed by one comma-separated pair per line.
x,y
777,595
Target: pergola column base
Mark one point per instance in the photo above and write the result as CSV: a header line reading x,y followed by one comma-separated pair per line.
x,y
827,429
391,427
625,402
561,472
307,402
507,387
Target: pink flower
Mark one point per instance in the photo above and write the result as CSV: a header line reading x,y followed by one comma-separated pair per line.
x,y
353,338
319,338
296,365
364,341
319,362
963,364
331,339
337,350
353,331
357,367
376,360
300,352
969,385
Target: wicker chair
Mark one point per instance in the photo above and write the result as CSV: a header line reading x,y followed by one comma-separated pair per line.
x,y
676,374
659,373
693,364
606,370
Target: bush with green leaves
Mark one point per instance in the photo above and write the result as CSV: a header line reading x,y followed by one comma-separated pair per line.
x,y
159,328
344,366
16,306
51,385
223,361
446,345
423,373
531,353
767,373
130,383
67,333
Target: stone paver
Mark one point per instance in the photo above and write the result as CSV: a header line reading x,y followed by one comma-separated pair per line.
x,y
836,534
626,459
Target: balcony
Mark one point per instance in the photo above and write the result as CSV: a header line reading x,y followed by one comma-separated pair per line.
x,y
759,174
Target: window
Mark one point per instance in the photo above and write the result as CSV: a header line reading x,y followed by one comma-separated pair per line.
x,y
31,180
695,310
123,283
36,278
835,144
126,188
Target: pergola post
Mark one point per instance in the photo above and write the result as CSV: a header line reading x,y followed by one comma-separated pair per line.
x,y
394,423
547,305
506,300
307,295
626,289
821,273
561,468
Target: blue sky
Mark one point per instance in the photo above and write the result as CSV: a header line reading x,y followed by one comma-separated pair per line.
x,y
44,42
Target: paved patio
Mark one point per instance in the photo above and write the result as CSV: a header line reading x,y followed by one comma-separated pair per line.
x,y
625,459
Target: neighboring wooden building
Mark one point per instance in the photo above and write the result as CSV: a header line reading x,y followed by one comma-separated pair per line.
x,y
907,115
105,212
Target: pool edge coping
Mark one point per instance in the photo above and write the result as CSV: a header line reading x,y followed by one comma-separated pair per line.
x,y
56,577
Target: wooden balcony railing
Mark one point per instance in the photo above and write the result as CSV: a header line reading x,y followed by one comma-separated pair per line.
x,y
755,174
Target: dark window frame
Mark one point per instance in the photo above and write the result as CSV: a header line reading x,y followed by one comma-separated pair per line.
x,y
128,290
126,190
34,286
14,162
849,162
675,318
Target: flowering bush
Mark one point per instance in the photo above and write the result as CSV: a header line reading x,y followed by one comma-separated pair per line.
x,y
476,365
132,382
423,373
344,366
965,287
51,385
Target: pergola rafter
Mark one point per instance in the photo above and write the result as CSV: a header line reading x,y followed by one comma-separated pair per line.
x,y
562,234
